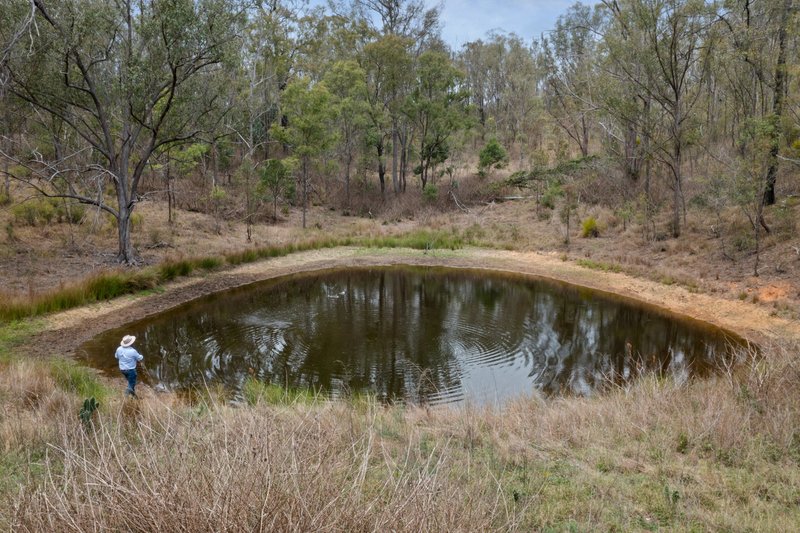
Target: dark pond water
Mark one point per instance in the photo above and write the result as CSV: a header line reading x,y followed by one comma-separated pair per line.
x,y
428,335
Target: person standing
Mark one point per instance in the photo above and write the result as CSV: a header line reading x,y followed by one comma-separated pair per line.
x,y
128,358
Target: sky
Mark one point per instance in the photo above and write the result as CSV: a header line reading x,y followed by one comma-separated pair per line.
x,y
469,20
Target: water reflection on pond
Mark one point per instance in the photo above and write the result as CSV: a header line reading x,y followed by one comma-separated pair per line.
x,y
416,334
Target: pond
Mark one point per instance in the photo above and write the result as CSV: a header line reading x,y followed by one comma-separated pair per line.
x,y
416,334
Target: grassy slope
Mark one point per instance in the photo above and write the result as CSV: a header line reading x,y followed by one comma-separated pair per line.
x,y
113,283
721,454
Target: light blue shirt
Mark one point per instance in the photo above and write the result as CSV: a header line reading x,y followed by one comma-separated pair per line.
x,y
128,357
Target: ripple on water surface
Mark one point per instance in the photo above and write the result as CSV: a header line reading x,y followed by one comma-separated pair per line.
x,y
430,335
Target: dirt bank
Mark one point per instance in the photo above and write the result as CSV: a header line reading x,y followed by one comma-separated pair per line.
x,y
64,332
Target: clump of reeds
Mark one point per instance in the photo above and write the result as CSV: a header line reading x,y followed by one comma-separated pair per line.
x,y
96,288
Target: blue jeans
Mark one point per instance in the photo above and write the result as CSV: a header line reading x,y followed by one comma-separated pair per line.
x,y
130,375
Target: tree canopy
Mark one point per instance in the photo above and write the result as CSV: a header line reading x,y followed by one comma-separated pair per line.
x,y
365,93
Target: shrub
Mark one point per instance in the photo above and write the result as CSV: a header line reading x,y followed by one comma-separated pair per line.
x,y
626,213
70,213
589,228
19,171
90,405
785,218
430,192
493,155
551,193
218,193
154,237
743,242
699,201
47,212
33,212
474,233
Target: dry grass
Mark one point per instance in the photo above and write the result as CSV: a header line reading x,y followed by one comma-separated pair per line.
x,y
219,469
719,454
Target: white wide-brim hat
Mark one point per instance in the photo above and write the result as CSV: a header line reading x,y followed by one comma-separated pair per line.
x,y
127,340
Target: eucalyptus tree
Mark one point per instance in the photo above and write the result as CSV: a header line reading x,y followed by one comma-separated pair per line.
x,y
437,107
503,80
418,27
757,69
280,35
521,92
17,21
387,65
276,181
308,131
405,18
125,78
669,68
271,52
480,69
346,82
626,113
747,183
570,56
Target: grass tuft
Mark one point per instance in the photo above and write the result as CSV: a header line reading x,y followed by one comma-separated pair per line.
x,y
417,240
599,265
13,334
210,263
256,392
77,379
169,270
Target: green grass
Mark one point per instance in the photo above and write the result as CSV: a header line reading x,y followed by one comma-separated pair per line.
x,y
255,254
12,334
210,263
79,380
417,240
97,288
599,265
18,467
255,392
170,270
